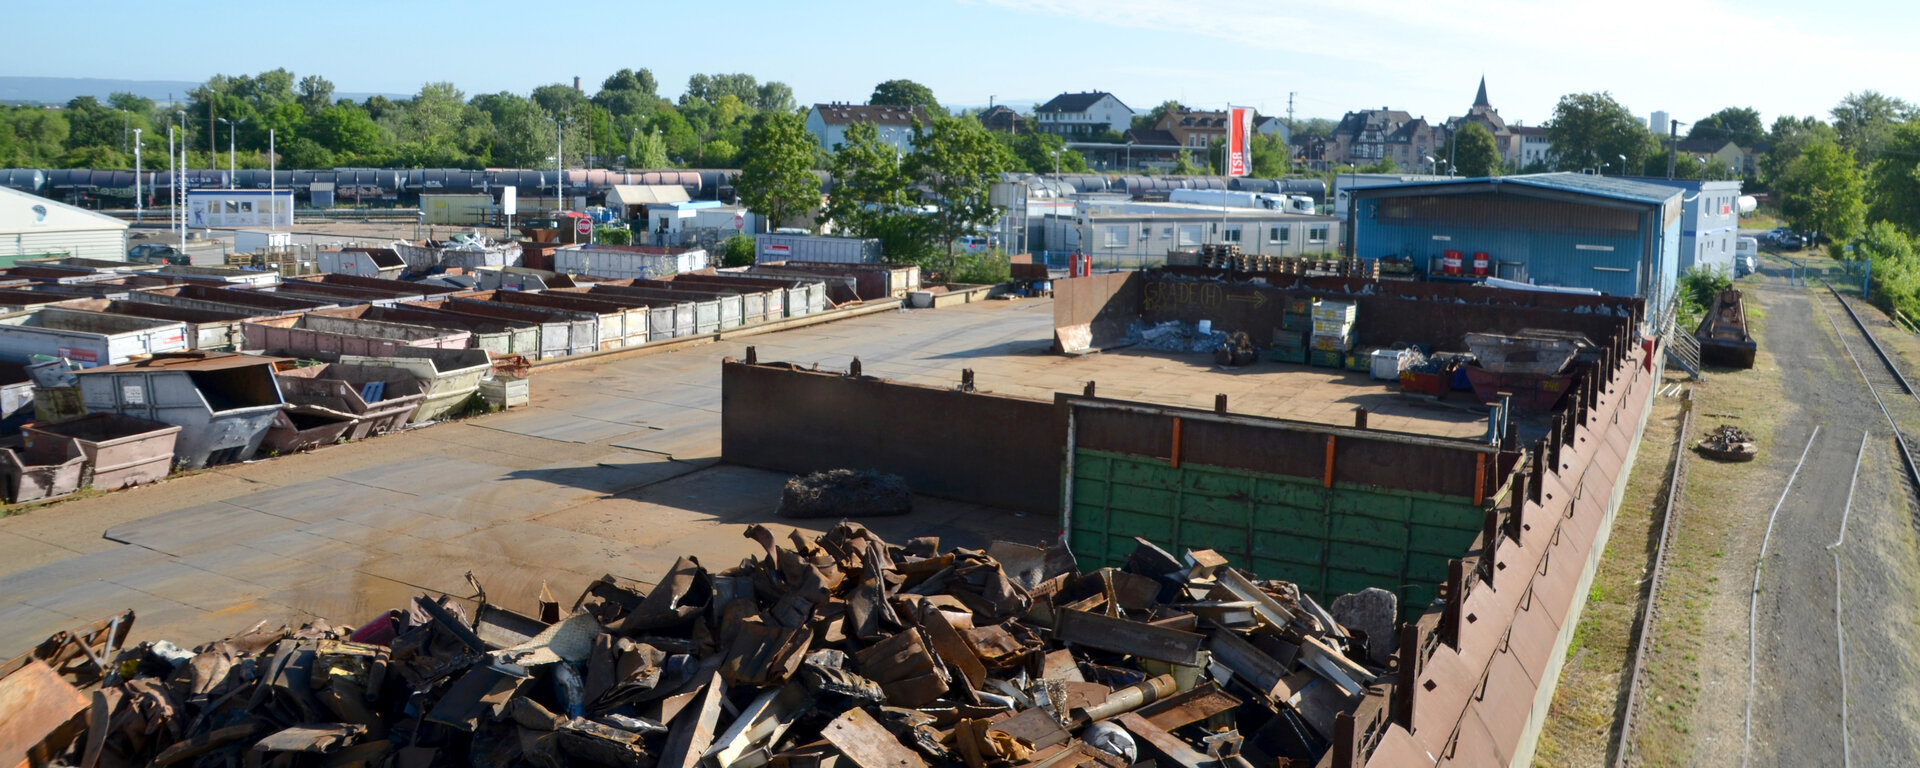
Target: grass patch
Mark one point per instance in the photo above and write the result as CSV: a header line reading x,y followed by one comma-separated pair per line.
x,y
1583,718
1755,400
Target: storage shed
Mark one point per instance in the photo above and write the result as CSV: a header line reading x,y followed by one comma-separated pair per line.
x,y
1615,236
34,226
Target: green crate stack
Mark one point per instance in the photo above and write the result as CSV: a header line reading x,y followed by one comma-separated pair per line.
x,y
1328,358
1288,347
1360,360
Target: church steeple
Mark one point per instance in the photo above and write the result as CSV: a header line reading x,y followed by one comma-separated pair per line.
x,y
1481,100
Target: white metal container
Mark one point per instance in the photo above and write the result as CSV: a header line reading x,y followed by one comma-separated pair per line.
x,y
845,250
256,240
86,338
1387,364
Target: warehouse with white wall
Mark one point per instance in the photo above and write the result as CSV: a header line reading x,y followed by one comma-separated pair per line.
x,y
31,225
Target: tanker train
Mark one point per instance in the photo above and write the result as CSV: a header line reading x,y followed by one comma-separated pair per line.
x,y
386,186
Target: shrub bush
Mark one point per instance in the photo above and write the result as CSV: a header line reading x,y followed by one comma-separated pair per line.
x,y
737,251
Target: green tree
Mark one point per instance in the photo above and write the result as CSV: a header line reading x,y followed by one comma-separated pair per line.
x,y
647,150
1865,119
870,198
521,138
1822,191
1474,151
1787,138
737,251
905,93
777,179
956,163
92,125
348,131
682,143
1183,165
768,97
1382,165
723,154
1894,179
95,156
559,99
1588,129
303,152
1033,152
316,93
640,81
1151,118
1270,156
1740,125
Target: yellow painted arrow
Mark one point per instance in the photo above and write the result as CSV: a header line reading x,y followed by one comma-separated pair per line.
x,y
1258,299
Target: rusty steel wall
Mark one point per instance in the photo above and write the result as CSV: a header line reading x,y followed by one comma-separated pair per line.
x,y
1436,314
1106,304
1295,449
985,449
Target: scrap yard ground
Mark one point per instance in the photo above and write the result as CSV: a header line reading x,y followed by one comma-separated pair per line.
x,y
612,470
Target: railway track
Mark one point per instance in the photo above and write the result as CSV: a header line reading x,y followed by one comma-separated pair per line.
x,y
1895,393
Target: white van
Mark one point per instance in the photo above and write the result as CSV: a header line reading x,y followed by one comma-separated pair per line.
x,y
1746,252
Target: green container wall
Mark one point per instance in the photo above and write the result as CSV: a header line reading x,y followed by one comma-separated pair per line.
x,y
1330,541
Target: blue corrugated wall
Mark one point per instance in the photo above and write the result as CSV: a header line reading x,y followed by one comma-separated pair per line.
x,y
1550,258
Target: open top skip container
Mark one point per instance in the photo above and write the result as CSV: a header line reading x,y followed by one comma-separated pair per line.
x,y
452,375
120,450
223,402
384,399
47,469
87,338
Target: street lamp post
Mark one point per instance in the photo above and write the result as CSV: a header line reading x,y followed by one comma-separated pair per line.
x,y
559,160
180,181
233,127
1623,165
138,209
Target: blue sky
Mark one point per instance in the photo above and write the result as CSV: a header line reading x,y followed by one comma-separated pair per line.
x,y
1688,57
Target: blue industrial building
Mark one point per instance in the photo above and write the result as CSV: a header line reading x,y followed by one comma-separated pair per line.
x,y
1709,222
1615,236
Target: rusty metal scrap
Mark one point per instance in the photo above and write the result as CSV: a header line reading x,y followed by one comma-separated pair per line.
x,y
840,651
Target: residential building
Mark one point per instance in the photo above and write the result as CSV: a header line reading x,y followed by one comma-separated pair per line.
x,y
1131,233
1193,128
31,225
1140,149
1616,236
1736,159
1372,135
1709,223
1483,112
1273,126
1004,119
1535,147
1659,123
1089,113
828,123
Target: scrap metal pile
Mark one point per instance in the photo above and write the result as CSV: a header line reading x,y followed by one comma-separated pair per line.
x,y
840,651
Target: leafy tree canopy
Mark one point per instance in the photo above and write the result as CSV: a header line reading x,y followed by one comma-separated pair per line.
x,y
1474,151
905,93
1740,125
1588,129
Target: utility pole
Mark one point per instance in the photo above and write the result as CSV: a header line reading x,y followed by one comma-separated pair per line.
x,y
1290,129
1673,143
213,149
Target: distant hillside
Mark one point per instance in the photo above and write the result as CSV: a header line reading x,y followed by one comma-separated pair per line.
x,y
60,90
